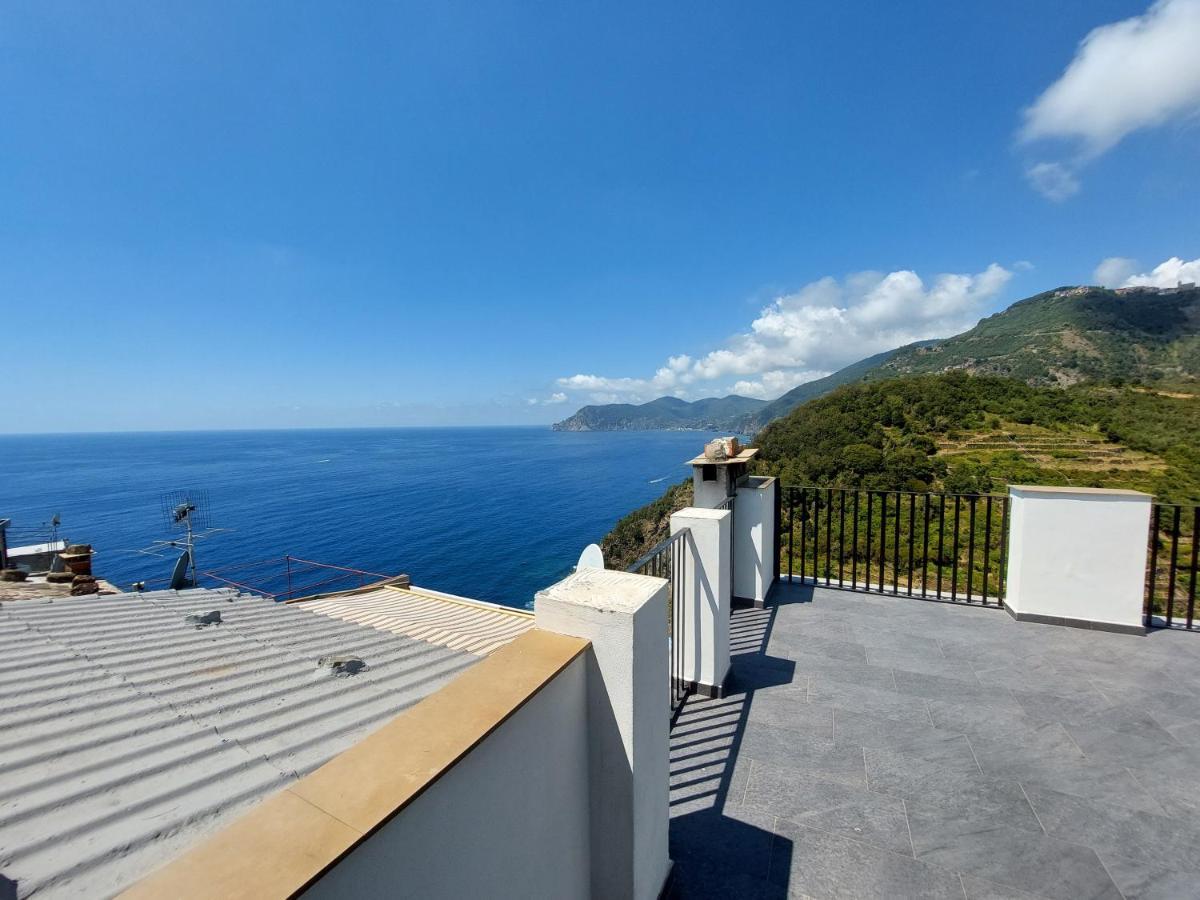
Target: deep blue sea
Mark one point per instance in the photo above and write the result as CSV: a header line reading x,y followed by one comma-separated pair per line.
x,y
489,513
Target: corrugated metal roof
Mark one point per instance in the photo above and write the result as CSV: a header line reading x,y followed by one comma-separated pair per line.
x,y
442,619
126,733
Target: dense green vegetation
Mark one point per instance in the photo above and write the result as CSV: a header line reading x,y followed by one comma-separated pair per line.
x,y
965,435
956,433
893,435
645,527
810,390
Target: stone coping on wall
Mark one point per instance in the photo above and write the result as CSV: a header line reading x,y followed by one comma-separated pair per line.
x,y
285,843
1085,491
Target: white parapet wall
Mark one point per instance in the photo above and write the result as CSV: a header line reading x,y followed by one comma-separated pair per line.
x,y
706,597
1077,556
754,537
510,820
625,617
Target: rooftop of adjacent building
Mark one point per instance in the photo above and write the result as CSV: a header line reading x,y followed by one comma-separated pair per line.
x,y
128,731
893,747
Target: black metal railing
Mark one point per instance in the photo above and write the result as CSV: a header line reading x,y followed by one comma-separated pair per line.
x,y
1171,574
666,560
932,545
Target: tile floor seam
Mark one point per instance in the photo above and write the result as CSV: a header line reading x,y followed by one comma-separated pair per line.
x,y
1033,809
908,825
1104,866
962,884
1157,802
771,846
974,756
746,789
1067,731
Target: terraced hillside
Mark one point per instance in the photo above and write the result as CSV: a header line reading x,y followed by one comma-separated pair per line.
x,y
1072,455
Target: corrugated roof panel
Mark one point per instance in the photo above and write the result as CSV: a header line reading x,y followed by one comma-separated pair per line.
x,y
459,624
126,733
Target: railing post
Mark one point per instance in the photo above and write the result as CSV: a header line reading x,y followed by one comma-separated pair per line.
x,y
1077,556
706,601
625,617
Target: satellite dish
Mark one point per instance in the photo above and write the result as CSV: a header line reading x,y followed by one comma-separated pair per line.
x,y
590,558
179,577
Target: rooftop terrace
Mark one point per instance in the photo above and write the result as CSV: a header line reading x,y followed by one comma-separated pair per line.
x,y
893,747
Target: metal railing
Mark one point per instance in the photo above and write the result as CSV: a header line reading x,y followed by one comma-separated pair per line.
x,y
932,545
666,560
289,577
1171,574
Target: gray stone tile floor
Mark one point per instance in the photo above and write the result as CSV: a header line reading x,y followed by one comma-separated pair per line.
x,y
877,746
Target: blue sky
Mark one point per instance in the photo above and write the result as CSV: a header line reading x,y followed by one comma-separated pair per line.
x,y
300,214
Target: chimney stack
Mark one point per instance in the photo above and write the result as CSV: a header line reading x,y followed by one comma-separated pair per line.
x,y
717,472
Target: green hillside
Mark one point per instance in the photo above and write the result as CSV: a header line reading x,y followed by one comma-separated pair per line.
x,y
1061,338
963,433
1074,335
810,390
664,414
958,433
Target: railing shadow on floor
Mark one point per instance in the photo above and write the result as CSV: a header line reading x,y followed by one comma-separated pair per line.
x,y
716,854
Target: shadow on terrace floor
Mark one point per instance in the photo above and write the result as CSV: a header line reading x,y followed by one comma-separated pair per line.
x,y
719,855
876,746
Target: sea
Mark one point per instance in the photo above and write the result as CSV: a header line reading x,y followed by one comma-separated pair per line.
x,y
490,513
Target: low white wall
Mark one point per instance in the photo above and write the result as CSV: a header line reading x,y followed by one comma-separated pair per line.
x,y
511,819
754,536
1078,554
706,599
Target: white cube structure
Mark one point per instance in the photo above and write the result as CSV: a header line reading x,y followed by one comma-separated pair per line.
x,y
1077,556
625,617
754,537
706,597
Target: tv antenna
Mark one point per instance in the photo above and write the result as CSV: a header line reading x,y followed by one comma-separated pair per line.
x,y
186,513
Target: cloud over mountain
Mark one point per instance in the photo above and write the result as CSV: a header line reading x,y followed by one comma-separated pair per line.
x,y
821,327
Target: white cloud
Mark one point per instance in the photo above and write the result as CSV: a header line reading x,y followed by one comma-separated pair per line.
x,y
1113,271
820,328
1141,72
1132,74
1166,274
771,384
1053,180
553,399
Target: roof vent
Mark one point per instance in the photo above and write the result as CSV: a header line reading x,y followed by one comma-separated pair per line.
x,y
342,665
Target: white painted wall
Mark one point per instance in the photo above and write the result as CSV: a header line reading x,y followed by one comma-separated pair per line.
x,y
628,704
510,820
1078,553
706,595
754,536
